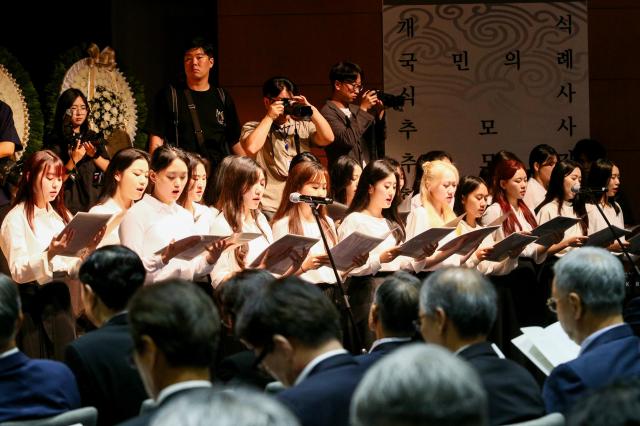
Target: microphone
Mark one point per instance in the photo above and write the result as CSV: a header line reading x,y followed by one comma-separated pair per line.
x,y
576,189
296,197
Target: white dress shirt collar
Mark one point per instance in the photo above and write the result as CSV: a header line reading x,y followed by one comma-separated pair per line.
x,y
178,387
314,362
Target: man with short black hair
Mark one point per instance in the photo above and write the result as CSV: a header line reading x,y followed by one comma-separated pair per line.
x,y
587,294
175,329
29,388
281,135
295,331
392,315
171,120
359,129
100,359
457,310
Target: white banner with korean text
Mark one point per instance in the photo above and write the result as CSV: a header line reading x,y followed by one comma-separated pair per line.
x,y
482,77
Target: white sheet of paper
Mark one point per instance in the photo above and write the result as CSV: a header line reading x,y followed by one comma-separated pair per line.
x,y
206,240
353,246
471,240
604,237
85,226
547,229
511,242
453,223
546,347
277,257
415,246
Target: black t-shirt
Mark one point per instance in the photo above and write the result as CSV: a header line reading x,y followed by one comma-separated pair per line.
x,y
8,132
218,120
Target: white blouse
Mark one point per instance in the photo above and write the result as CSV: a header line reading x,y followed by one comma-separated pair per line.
x,y
374,226
26,249
597,223
203,218
550,211
149,226
227,264
486,267
324,274
494,211
109,207
535,194
417,223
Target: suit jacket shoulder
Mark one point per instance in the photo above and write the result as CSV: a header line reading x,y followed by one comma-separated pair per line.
x,y
612,356
100,361
513,394
323,398
32,388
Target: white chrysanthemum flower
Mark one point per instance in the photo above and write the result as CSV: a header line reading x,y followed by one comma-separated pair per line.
x,y
114,111
107,106
103,124
96,114
106,116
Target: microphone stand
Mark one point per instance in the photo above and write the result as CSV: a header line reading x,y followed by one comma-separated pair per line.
x,y
624,250
356,334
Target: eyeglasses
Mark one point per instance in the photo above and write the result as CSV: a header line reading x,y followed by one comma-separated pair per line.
x,y
355,86
263,354
552,304
78,110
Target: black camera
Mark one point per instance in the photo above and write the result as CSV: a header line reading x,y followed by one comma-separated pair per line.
x,y
391,101
297,111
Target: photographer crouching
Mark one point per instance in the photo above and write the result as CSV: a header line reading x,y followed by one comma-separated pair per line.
x,y
359,128
82,151
290,126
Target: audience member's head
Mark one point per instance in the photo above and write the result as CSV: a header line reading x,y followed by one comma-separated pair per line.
x,y
110,276
238,289
287,324
10,313
419,385
242,407
587,291
615,405
458,306
395,306
175,329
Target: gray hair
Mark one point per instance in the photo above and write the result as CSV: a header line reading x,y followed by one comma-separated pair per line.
x,y
420,385
242,407
596,275
465,295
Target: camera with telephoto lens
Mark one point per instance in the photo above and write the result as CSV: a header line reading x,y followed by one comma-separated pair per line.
x,y
391,101
297,111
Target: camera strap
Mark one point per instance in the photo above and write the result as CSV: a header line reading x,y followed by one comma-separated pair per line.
x,y
196,120
174,108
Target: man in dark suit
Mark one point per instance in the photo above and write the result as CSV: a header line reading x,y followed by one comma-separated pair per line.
x,y
587,294
457,309
420,385
392,315
100,359
175,329
295,331
29,388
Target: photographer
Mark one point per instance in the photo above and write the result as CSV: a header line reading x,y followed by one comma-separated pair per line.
x,y
82,151
9,143
290,127
359,129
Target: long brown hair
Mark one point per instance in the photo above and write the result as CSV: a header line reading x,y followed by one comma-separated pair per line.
x,y
303,173
37,166
505,169
374,172
240,175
